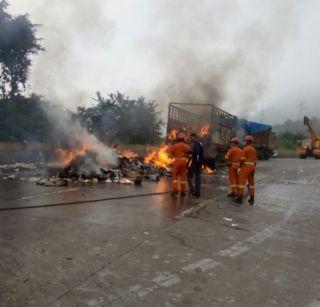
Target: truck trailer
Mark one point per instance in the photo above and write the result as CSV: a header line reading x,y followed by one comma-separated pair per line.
x,y
264,137
215,126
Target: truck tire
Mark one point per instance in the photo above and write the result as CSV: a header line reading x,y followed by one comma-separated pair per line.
x,y
260,154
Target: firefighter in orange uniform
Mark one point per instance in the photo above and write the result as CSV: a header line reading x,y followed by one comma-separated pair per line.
x,y
248,167
233,158
180,152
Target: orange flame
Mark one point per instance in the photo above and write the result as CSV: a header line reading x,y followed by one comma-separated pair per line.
x,y
159,157
205,130
207,170
65,156
129,154
172,135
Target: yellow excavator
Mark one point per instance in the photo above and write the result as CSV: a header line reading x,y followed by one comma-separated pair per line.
x,y
310,147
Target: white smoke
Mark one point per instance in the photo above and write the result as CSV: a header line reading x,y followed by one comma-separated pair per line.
x,y
213,51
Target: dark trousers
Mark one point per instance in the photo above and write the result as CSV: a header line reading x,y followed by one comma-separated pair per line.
x,y
195,171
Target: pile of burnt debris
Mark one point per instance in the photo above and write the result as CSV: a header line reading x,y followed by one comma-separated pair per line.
x,y
86,168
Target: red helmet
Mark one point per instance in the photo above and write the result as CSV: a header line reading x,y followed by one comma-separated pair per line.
x,y
248,138
235,140
181,136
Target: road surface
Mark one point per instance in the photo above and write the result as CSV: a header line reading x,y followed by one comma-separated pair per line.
x,y
142,252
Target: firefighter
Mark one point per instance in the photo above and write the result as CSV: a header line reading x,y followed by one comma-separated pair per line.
x,y
195,165
180,152
248,167
233,158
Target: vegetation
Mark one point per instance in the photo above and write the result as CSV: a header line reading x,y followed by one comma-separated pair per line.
x,y
18,42
24,119
295,127
117,118
289,140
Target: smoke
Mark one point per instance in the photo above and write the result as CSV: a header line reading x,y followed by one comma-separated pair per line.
x,y
219,52
72,136
73,34
206,51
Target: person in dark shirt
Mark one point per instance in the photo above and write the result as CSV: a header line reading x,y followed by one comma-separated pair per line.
x,y
195,166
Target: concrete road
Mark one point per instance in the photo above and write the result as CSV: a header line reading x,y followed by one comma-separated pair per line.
x,y
133,252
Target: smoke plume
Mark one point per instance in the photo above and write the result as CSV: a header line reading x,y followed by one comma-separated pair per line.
x,y
71,135
219,52
206,51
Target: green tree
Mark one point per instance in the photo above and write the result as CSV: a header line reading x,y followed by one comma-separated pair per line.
x,y
24,119
120,119
18,42
289,139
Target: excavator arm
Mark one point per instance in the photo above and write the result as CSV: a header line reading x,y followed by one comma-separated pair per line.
x,y
315,143
314,134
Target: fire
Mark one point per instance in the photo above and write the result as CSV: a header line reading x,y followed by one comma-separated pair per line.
x,y
129,154
65,156
205,130
160,157
172,135
207,170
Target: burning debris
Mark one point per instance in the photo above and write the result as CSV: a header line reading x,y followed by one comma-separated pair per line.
x,y
159,157
84,165
87,160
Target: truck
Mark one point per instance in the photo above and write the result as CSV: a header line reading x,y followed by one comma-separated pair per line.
x,y
310,147
215,126
264,137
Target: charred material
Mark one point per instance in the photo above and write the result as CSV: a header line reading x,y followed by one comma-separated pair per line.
x,y
86,168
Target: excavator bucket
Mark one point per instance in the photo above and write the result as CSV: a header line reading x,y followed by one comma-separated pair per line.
x,y
305,120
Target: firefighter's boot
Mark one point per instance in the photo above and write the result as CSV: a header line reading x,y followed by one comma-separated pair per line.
x,y
251,201
232,195
238,201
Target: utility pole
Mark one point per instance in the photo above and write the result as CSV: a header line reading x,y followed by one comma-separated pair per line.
x,y
301,107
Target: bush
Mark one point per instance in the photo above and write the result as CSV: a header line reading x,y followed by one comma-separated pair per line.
x,y
120,119
24,119
289,140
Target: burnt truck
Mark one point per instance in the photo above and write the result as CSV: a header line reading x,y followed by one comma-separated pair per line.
x,y
215,126
264,137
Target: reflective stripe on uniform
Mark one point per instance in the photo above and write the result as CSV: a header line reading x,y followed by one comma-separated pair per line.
x,y
234,163
241,186
249,163
178,181
251,186
180,159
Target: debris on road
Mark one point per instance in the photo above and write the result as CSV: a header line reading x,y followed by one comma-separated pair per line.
x,y
236,226
52,182
131,169
192,212
228,219
17,167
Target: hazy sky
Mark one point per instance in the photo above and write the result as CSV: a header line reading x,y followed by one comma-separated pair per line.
x,y
242,55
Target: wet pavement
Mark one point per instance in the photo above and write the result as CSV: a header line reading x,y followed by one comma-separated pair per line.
x,y
134,252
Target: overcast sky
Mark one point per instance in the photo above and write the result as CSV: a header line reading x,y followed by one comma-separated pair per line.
x,y
245,56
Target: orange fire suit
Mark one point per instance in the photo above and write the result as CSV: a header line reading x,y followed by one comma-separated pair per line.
x,y
180,152
233,158
248,167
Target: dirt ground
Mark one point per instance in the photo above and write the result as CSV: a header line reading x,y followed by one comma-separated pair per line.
x,y
142,252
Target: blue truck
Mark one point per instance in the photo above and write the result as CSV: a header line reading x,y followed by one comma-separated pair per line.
x,y
264,138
